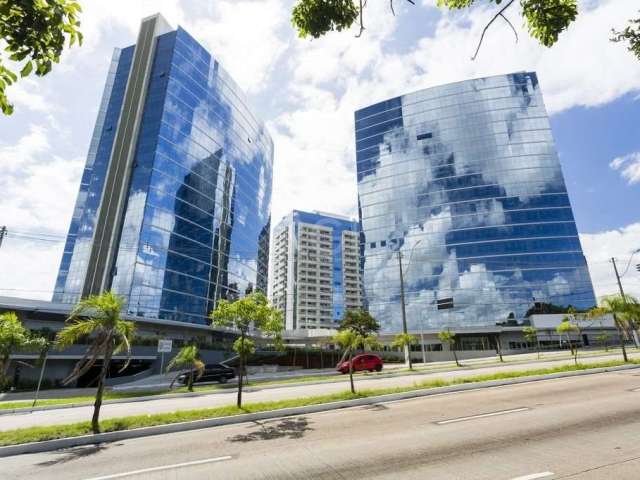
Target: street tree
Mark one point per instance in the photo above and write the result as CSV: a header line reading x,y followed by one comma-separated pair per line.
x,y
626,315
34,34
448,337
351,341
187,358
253,310
14,337
604,338
567,327
545,20
360,321
97,318
405,340
531,335
357,330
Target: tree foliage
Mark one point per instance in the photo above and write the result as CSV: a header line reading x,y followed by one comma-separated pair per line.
x,y
350,340
316,17
240,315
97,317
187,358
404,340
35,33
14,337
360,322
545,20
448,337
631,35
626,315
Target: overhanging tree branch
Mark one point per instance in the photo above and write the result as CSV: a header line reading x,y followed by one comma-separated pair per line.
x,y
495,17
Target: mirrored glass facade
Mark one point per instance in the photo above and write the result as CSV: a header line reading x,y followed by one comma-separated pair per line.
x,y
463,180
196,204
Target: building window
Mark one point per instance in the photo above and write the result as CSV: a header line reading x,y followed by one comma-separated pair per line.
x,y
425,136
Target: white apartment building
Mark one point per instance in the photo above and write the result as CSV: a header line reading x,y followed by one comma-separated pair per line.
x,y
315,269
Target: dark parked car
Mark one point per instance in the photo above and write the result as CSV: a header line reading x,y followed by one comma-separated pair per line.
x,y
366,361
216,372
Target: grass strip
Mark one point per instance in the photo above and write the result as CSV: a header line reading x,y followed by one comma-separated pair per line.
x,y
88,400
38,434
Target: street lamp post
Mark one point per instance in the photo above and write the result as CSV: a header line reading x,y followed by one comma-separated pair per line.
x,y
407,353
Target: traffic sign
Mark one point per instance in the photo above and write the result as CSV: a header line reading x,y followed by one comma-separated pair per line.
x,y
165,346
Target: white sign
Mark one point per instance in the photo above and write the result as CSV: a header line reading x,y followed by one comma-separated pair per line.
x,y
164,346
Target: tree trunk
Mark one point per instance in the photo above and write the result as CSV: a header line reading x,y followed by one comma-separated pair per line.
x,y
621,336
499,348
4,369
455,354
95,420
408,350
190,386
353,389
538,347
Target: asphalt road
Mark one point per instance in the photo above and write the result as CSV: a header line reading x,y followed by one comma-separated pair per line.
x,y
256,394
578,428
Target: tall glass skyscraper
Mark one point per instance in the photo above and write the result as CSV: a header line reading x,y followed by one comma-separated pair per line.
x,y
175,197
464,183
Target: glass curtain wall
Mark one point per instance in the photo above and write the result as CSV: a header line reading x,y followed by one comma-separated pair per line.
x,y
463,181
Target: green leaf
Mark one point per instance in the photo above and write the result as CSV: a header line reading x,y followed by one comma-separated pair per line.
x,y
26,70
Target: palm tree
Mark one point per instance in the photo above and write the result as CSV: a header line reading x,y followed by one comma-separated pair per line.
x,y
626,313
531,335
405,340
187,358
350,341
97,317
450,338
566,328
251,310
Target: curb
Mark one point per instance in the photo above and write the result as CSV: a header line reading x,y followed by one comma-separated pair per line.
x,y
256,388
49,445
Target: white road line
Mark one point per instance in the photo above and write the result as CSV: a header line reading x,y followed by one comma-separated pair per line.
x,y
636,389
534,476
484,415
164,467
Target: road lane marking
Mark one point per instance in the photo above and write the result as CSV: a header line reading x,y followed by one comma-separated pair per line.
x,y
483,415
164,467
635,389
534,476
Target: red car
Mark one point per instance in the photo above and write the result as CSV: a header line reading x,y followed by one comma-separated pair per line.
x,y
366,361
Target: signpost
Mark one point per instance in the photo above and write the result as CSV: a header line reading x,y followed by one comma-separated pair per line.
x,y
164,346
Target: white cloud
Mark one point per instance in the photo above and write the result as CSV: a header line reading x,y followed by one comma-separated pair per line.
x,y
314,86
571,73
38,193
247,49
600,247
629,167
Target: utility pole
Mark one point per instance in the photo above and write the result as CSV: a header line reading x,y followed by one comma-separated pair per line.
x,y
3,232
634,334
407,353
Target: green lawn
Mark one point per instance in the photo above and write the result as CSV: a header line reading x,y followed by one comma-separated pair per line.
x,y
35,434
285,381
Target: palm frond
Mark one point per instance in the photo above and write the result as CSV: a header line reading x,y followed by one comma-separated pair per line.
x,y
76,330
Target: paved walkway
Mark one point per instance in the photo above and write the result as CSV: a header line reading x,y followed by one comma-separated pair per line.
x,y
257,394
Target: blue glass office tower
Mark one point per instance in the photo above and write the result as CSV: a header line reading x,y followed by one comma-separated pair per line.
x,y
464,183
175,197
315,269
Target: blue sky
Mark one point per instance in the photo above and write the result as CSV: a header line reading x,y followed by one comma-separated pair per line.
x,y
307,91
